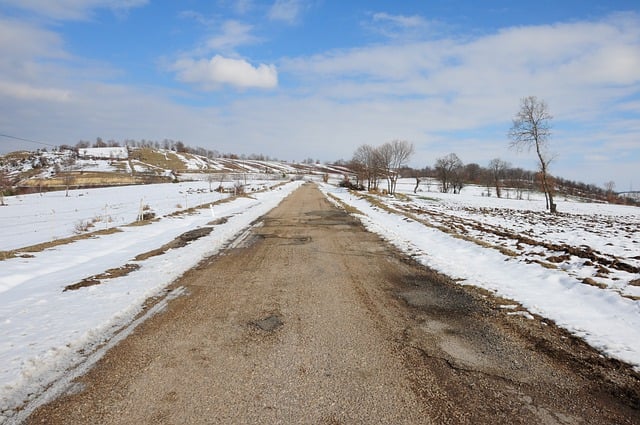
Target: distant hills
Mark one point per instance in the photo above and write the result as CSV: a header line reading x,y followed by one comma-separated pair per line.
x,y
111,166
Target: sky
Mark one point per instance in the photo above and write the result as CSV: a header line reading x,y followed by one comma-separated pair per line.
x,y
298,79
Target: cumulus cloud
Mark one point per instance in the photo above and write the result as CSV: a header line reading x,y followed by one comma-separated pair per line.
x,y
217,71
73,9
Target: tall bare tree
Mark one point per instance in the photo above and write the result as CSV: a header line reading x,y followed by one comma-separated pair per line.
x,y
5,184
449,172
531,129
394,155
609,187
497,168
68,179
369,160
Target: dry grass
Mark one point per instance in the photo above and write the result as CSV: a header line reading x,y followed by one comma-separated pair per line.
x,y
592,282
17,156
165,160
449,230
4,255
97,279
348,208
90,179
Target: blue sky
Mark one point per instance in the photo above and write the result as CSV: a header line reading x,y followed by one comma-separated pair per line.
x,y
295,79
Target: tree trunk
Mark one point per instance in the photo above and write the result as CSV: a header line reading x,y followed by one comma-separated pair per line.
x,y
545,185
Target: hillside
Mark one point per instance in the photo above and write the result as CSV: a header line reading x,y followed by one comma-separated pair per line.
x,y
26,171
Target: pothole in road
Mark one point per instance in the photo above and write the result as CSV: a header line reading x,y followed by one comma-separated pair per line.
x,y
269,323
299,240
338,218
291,240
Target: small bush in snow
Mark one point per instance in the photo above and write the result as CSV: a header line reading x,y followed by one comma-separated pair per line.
x,y
82,226
238,188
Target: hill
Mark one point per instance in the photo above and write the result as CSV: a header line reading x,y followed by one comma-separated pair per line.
x,y
43,170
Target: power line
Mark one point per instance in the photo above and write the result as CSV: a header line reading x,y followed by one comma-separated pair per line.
x,y
26,140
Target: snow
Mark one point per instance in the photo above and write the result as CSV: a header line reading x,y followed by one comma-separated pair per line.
x,y
104,153
605,317
36,218
45,330
48,334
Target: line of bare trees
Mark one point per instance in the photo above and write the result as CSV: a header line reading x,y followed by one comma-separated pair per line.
x,y
452,175
530,130
372,164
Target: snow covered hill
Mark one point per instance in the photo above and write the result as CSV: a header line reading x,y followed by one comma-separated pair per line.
x,y
98,167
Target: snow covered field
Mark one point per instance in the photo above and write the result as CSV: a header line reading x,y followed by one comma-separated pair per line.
x,y
44,330
579,268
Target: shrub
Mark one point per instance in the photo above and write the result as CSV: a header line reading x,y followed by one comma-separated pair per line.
x,y
238,188
82,226
346,183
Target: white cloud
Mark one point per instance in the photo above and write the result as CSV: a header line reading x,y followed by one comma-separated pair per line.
x,y
572,65
22,41
242,6
211,74
25,49
27,92
399,20
286,10
225,36
402,26
73,9
239,7
233,34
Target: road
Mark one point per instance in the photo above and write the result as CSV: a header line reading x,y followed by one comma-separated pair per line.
x,y
310,319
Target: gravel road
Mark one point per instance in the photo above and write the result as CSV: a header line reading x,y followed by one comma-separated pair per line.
x,y
309,319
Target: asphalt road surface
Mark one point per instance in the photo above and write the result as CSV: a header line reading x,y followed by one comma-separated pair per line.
x,y
309,319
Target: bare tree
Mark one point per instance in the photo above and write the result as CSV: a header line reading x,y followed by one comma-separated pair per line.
x,y
385,155
449,172
211,177
5,184
401,151
368,159
360,171
473,172
459,177
531,129
497,168
609,187
68,180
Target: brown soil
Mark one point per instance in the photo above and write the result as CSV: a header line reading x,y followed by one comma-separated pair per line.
x,y
310,319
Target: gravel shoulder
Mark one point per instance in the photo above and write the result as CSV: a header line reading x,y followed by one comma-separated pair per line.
x,y
308,318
